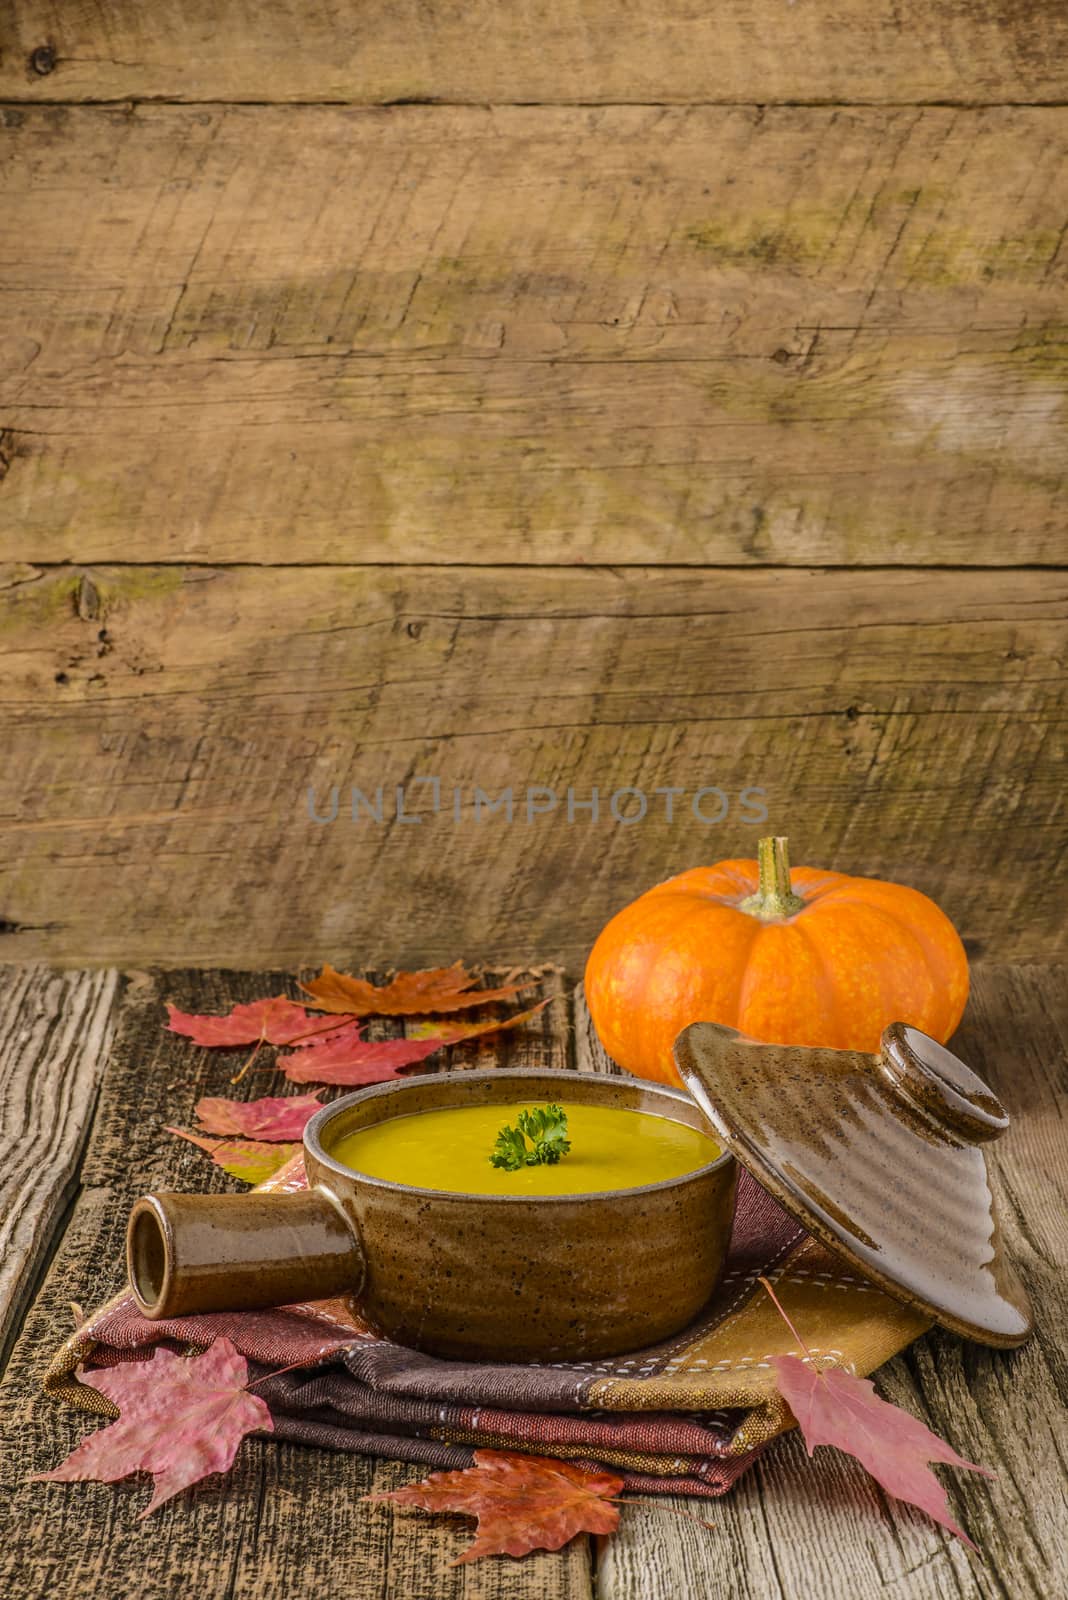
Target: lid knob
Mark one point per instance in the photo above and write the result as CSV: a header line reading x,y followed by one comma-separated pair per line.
x,y
938,1083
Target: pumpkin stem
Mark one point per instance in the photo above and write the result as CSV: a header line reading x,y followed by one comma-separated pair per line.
x,y
774,900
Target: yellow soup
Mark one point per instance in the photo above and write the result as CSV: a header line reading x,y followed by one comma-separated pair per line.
x,y
610,1149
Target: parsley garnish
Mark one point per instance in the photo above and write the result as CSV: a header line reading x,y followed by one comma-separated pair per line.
x,y
547,1131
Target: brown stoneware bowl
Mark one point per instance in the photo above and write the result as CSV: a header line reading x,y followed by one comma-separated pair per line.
x,y
484,1277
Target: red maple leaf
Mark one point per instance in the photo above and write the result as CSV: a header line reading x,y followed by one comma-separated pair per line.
x,y
434,989
522,1503
345,1057
180,1418
834,1407
273,1117
274,1021
248,1159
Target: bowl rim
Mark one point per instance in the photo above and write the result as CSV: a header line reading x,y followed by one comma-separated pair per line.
x,y
313,1137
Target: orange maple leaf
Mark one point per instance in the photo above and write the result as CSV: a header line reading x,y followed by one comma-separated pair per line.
x,y
435,989
522,1503
247,1159
458,1032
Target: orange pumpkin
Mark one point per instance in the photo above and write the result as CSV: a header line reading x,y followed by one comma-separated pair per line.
x,y
816,958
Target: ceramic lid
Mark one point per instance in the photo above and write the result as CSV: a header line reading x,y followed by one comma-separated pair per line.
x,y
879,1156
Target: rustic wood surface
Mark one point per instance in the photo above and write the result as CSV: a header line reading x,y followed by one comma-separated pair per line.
x,y
588,50
792,1527
739,335
289,1523
345,441
55,1035
795,1527
163,727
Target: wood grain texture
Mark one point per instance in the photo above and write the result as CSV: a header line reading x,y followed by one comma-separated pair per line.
x,y
524,334
589,50
164,728
792,1527
796,1526
287,1523
55,1036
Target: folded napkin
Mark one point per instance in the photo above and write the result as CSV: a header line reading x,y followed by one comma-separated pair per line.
x,y
686,1416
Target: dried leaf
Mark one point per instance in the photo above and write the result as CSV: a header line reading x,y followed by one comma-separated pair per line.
x,y
349,1059
180,1418
274,1117
457,1032
274,1021
434,989
243,1158
834,1407
522,1503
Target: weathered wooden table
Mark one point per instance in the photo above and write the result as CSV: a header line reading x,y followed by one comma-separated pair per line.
x,y
88,1077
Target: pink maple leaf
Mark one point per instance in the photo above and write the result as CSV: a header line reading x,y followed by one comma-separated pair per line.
x,y
180,1418
275,1117
834,1407
347,1058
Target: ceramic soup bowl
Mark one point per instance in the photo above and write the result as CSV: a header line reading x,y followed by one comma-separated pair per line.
x,y
479,1276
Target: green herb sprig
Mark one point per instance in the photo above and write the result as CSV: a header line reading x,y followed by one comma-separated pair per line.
x,y
546,1128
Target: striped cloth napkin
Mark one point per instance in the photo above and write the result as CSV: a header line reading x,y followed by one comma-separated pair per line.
x,y
686,1416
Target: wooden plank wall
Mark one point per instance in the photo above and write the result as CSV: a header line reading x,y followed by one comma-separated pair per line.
x,y
574,396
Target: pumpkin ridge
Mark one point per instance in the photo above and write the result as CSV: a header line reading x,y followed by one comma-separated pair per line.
x,y
757,928
814,885
650,1044
830,988
741,873
907,939
775,963
696,913
937,958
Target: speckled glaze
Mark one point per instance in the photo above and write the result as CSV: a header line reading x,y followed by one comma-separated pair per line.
x,y
879,1156
221,1252
482,1277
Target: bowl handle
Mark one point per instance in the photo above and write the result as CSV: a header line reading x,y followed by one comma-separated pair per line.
x,y
237,1252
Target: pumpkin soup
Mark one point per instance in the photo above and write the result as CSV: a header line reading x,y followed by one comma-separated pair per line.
x,y
609,1148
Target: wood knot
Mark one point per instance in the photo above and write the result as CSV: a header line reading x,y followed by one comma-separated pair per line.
x,y
43,60
87,600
